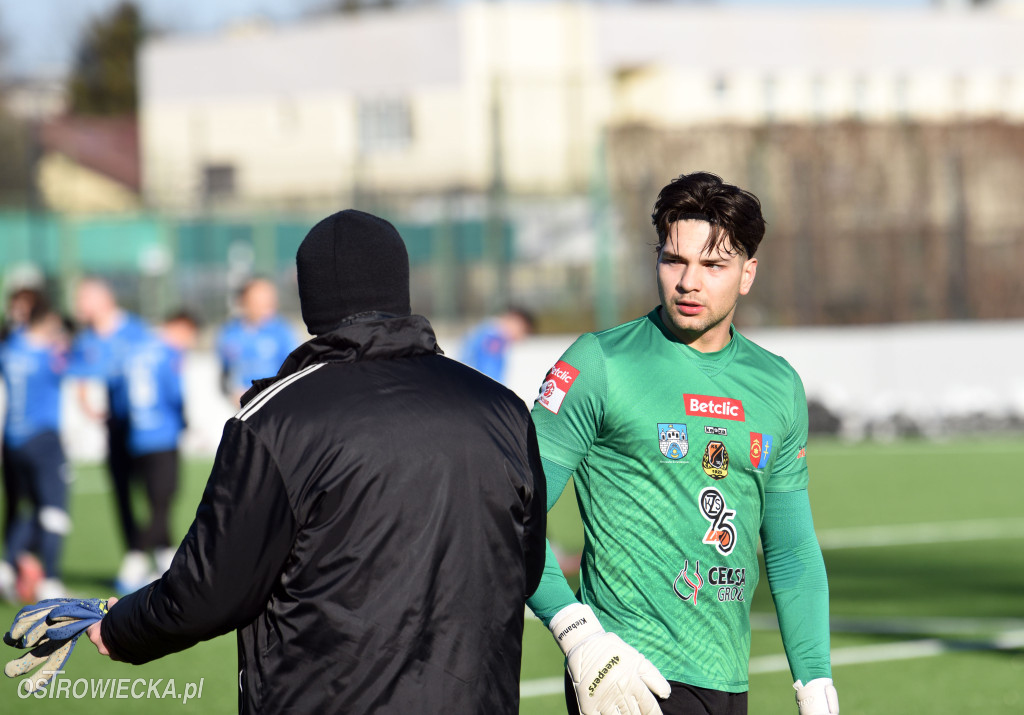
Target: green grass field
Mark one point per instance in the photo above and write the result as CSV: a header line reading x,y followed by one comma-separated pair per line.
x,y
923,544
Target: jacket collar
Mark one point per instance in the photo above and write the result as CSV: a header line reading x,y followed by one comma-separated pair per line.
x,y
365,336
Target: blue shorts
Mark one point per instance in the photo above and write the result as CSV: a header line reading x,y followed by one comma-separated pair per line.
x,y
37,470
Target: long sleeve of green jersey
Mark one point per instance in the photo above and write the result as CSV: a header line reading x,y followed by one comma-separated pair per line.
x,y
793,561
577,395
798,582
554,593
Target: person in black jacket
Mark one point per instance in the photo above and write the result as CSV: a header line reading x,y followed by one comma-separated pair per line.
x,y
374,519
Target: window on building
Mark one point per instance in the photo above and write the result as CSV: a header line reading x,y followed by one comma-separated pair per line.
x,y
902,90
819,105
958,94
769,90
218,181
384,125
860,97
287,116
721,87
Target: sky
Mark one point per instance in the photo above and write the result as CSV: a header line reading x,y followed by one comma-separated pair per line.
x,y
39,36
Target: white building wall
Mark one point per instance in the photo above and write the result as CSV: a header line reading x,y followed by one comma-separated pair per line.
x,y
283,106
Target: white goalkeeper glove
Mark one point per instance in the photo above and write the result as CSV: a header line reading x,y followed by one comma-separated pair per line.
x,y
609,676
818,697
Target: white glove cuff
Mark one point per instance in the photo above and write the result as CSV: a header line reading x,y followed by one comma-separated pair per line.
x,y
573,625
818,697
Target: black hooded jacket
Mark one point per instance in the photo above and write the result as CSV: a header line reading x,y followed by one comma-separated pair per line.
x,y
372,526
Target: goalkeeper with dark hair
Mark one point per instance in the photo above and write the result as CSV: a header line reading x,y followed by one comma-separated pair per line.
x,y
686,442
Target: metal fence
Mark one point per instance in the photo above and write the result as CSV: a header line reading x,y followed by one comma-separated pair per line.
x,y
158,264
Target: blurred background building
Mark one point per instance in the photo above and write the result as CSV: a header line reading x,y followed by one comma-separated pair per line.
x,y
519,148
446,97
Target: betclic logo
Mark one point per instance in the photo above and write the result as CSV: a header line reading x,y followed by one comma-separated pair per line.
x,y
725,408
556,385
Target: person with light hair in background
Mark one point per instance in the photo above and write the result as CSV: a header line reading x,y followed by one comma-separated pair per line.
x,y
33,361
253,345
108,336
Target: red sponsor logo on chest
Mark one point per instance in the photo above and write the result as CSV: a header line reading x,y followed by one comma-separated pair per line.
x,y
725,408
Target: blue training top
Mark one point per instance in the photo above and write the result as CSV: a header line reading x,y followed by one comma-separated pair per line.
x,y
485,349
155,405
32,375
250,352
103,358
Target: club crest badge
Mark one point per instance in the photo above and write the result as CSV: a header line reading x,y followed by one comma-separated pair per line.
x,y
760,449
716,460
672,440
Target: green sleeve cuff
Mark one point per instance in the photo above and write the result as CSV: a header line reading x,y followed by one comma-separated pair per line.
x,y
554,592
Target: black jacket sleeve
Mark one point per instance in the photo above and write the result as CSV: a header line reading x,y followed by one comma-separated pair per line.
x,y
536,517
227,566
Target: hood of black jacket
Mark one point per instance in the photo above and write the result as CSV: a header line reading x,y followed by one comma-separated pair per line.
x,y
366,336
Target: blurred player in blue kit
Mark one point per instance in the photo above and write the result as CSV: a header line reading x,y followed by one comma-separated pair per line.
x,y
156,419
141,374
254,344
485,348
33,362
108,335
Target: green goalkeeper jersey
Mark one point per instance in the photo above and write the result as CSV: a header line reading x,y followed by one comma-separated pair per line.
x,y
672,451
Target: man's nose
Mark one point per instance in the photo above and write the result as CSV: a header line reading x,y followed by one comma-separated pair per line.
x,y
689,279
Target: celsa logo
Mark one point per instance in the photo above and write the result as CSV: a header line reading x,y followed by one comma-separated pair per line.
x,y
725,408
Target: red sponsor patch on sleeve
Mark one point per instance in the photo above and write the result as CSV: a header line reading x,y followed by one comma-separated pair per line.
x,y
556,385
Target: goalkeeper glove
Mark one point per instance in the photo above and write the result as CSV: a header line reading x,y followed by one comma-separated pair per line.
x,y
609,676
50,630
818,697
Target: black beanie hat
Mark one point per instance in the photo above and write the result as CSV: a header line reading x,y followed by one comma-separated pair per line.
x,y
349,263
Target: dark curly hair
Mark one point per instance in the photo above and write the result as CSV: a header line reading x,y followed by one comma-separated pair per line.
x,y
734,214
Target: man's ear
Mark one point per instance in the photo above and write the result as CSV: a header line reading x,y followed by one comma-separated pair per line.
x,y
749,273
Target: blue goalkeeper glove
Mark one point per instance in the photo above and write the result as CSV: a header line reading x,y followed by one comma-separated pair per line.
x,y
50,630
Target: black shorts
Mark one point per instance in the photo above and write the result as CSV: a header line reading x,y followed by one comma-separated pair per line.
x,y
157,468
684,700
